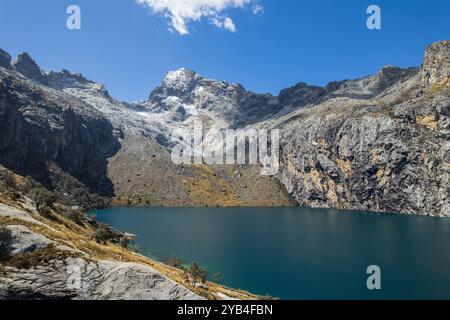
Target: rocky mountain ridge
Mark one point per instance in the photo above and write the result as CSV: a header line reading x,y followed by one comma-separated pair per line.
x,y
394,104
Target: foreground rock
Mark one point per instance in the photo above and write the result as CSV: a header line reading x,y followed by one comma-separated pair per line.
x,y
70,273
25,241
78,279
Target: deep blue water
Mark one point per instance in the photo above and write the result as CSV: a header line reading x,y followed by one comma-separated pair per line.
x,y
299,253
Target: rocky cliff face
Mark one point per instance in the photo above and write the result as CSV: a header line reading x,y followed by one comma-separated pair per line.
x,y
41,126
387,150
436,64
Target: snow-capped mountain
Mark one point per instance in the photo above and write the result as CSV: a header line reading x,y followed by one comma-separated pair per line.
x,y
184,95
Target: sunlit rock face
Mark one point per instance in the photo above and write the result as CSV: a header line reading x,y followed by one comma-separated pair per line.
x,y
383,150
436,65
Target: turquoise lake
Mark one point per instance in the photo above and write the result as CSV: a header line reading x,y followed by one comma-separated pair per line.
x,y
299,253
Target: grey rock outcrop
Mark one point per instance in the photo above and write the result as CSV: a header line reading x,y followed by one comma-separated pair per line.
x,y
79,279
75,274
371,86
25,241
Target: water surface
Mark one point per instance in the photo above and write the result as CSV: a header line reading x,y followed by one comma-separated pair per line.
x,y
299,253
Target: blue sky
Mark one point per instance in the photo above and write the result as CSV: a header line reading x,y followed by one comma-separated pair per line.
x,y
129,49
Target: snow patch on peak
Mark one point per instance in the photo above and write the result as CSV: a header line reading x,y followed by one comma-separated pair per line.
x,y
180,79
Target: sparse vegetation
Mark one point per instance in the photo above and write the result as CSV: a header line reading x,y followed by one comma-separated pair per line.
x,y
124,242
193,274
76,217
5,239
103,234
176,263
8,180
39,257
197,273
44,200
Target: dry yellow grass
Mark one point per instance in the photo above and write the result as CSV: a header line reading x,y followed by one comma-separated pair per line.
x,y
206,188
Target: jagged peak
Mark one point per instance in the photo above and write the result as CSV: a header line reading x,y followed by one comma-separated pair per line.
x,y
27,66
5,59
24,58
389,68
67,75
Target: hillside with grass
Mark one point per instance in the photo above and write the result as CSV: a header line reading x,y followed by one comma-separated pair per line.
x,y
42,242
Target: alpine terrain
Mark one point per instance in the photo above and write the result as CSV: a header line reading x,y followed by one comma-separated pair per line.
x,y
380,143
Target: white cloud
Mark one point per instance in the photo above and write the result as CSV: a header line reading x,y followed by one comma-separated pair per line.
x,y
225,23
229,25
182,12
258,9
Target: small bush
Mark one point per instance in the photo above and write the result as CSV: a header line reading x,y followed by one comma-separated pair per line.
x,y
76,217
103,234
29,184
176,263
124,242
9,180
5,240
44,200
197,273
